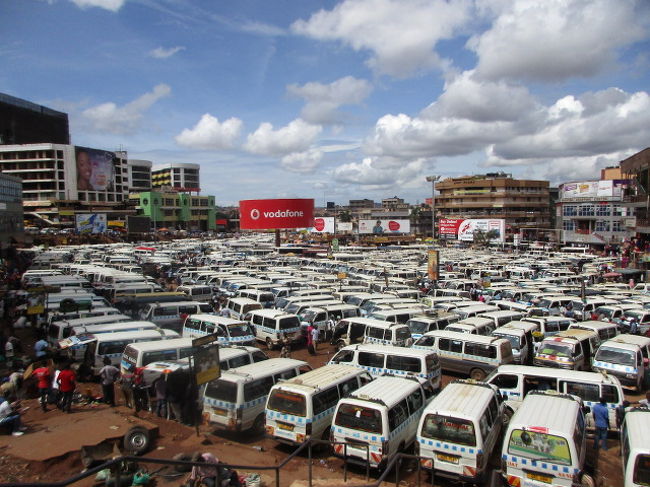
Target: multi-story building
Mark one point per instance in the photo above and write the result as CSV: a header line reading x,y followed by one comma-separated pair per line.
x,y
61,180
24,122
178,176
11,209
177,211
358,204
139,175
522,203
394,203
636,169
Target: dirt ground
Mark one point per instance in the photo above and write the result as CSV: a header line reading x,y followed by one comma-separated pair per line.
x,y
174,438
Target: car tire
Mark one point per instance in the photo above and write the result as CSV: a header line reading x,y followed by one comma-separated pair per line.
x,y
137,440
477,374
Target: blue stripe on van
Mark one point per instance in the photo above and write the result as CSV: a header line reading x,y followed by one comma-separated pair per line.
x,y
540,464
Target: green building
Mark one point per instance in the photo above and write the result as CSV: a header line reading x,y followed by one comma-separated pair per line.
x,y
177,211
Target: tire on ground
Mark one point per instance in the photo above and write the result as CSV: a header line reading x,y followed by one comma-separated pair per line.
x,y
137,440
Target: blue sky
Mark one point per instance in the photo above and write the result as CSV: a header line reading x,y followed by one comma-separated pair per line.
x,y
341,99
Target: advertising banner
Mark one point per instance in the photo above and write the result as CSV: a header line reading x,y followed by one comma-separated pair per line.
x,y
323,225
95,169
91,222
468,227
432,264
594,189
138,224
449,226
206,364
382,227
277,213
344,226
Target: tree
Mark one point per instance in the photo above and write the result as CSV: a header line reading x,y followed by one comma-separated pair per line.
x,y
345,216
482,239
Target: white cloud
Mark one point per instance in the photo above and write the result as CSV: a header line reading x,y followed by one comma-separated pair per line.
x,y
209,133
164,53
261,28
295,137
380,173
555,39
302,162
112,5
108,117
400,34
323,100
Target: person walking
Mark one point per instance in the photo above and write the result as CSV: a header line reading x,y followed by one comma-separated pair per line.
x,y
315,335
160,391
41,348
140,391
109,374
310,340
67,383
43,375
601,418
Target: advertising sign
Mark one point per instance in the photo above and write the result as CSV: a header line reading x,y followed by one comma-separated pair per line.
x,y
468,227
382,227
95,169
206,358
138,224
594,189
449,226
432,264
323,225
344,226
91,222
278,213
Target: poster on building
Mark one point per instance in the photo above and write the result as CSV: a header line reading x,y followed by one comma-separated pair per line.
x,y
432,264
90,222
323,225
468,227
344,226
449,226
384,227
95,169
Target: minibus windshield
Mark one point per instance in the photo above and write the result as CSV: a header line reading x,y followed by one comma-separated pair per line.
x,y
615,356
539,446
287,402
418,327
358,418
239,330
514,340
557,349
445,428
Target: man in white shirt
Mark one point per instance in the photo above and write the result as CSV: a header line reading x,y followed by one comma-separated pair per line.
x,y
9,416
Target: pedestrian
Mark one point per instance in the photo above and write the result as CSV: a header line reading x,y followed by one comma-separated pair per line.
x,y
140,391
160,394
67,383
285,351
9,353
645,403
41,348
310,340
10,417
109,374
43,375
315,335
601,418
621,409
331,324
126,386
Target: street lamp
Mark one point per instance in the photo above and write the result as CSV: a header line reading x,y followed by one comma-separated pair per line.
x,y
432,180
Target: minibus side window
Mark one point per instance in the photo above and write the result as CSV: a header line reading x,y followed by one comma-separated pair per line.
x,y
184,352
484,424
343,356
193,324
480,350
107,348
243,359
258,356
345,388
408,364
158,356
325,400
610,393
494,410
398,414
375,332
587,392
369,359
415,401
450,345
426,341
287,374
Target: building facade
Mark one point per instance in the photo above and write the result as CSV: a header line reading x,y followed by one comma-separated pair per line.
x,y
177,211
24,122
11,210
179,176
523,204
139,172
636,169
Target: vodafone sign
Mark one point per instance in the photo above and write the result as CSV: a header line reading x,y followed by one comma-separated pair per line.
x,y
271,214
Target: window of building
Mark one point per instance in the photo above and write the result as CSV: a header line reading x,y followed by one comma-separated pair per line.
x,y
570,210
569,225
586,210
617,226
602,226
603,210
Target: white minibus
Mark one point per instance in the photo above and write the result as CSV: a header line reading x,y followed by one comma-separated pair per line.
x,y
419,325
319,317
197,292
520,336
58,330
273,326
626,357
476,325
240,307
635,448
379,420
172,314
474,310
140,354
604,329
229,331
303,407
570,349
235,401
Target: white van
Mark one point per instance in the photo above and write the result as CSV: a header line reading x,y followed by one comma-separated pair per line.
x,y
626,357
516,381
474,355
521,338
459,430
571,349
399,315
235,401
635,448
474,326
272,326
302,408
604,330
378,421
388,360
264,297
58,330
474,310
140,354
320,316
229,331
419,325
172,314
238,308
545,443
500,318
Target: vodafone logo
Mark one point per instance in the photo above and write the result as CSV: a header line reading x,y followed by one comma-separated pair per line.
x,y
255,214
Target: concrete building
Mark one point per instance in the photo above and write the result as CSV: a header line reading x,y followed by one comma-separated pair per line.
x,y
61,180
394,203
360,204
139,172
11,210
522,203
24,122
178,176
636,169
177,211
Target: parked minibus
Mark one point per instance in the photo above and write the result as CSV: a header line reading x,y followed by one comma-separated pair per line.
x,y
474,326
228,330
58,330
235,401
604,330
635,448
274,326
545,443
238,308
172,315
379,420
319,317
516,381
474,310
570,349
264,297
141,354
385,333
302,408
627,357
474,355
459,430
419,325
500,318
388,360
520,336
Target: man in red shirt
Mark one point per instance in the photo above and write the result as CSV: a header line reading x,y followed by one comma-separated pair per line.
x,y
44,377
66,381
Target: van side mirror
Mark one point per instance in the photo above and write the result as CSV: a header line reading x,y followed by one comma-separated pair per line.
x,y
586,409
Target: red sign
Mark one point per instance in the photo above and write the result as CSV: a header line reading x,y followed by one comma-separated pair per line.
x,y
393,226
319,224
449,226
281,213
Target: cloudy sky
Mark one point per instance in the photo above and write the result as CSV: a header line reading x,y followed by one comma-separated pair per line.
x,y
341,99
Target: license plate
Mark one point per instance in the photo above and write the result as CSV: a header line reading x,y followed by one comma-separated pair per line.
x,y
286,427
220,411
447,458
547,479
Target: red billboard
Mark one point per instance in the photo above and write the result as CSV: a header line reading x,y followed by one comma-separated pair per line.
x,y
280,213
449,226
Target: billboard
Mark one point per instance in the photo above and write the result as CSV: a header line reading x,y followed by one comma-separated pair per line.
x,y
594,189
323,225
90,222
382,227
468,227
344,226
432,264
277,213
138,224
95,169
449,226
